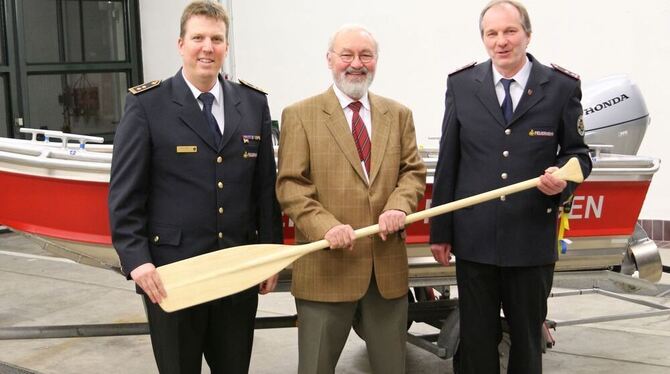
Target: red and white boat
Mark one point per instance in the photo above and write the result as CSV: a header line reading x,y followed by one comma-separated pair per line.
x,y
56,192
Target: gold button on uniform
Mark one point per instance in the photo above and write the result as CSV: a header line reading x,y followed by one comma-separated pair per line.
x,y
508,131
220,210
156,239
505,153
220,235
549,210
503,175
220,184
502,198
219,160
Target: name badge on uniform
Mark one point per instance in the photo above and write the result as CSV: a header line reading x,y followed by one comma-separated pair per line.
x,y
540,133
187,149
247,138
250,155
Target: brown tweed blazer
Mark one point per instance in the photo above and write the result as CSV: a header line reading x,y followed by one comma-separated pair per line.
x,y
321,184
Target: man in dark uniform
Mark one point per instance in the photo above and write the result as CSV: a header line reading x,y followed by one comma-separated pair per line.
x,y
507,120
193,172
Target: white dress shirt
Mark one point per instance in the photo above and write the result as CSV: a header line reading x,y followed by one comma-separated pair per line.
x,y
516,88
364,112
217,105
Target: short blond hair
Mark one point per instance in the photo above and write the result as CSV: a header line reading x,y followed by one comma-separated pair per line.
x,y
205,8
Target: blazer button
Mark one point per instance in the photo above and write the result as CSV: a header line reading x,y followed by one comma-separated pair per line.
x,y
220,185
220,210
549,210
503,175
503,198
156,239
219,160
508,131
220,235
505,153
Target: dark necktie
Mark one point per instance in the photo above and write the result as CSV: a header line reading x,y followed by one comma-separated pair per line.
x,y
507,108
360,135
207,100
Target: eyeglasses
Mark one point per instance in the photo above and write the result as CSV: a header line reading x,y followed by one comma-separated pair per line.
x,y
349,57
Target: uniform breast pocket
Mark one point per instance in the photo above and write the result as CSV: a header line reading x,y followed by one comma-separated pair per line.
x,y
542,136
251,145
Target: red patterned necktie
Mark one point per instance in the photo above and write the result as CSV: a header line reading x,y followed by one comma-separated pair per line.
x,y
360,135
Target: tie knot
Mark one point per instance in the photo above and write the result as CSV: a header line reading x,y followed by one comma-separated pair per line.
x,y
207,98
355,106
506,83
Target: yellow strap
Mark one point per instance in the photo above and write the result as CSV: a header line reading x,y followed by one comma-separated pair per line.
x,y
562,227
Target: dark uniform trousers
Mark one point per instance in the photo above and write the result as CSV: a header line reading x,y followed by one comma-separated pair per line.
x,y
523,291
223,328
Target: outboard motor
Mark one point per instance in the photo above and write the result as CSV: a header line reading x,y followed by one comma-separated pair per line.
x,y
615,114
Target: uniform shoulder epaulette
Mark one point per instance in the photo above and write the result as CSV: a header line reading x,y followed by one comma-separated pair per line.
x,y
144,87
565,71
465,67
245,83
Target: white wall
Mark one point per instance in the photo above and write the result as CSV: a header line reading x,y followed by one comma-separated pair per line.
x,y
281,45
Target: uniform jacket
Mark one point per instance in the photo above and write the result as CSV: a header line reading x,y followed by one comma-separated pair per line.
x,y
321,184
479,152
174,194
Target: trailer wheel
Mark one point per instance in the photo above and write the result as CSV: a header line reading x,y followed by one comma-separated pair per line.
x,y
641,260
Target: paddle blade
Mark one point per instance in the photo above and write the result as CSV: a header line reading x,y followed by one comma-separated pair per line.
x,y
217,274
571,171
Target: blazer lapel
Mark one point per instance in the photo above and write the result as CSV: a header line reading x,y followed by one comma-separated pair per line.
x,y
339,129
487,93
381,127
533,92
189,111
231,111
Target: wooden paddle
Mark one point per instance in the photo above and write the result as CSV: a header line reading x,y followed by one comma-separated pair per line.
x,y
217,274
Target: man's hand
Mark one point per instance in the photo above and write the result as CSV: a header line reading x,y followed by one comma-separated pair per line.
x,y
268,285
441,252
549,184
149,281
391,221
341,236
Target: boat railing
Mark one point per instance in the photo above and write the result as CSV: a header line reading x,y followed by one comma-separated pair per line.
x,y
41,150
64,137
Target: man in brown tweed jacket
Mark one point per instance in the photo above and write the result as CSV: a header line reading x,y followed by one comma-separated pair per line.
x,y
329,184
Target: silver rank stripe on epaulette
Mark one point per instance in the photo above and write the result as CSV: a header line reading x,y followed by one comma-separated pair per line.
x,y
254,87
565,71
143,87
473,63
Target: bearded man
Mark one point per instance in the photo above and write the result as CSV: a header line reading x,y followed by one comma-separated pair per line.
x,y
348,159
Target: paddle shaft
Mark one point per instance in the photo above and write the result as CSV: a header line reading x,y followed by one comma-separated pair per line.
x,y
300,250
217,274
454,205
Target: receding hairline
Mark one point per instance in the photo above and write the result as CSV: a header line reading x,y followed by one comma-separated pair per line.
x,y
524,18
352,28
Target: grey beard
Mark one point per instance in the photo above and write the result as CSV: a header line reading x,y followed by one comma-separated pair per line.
x,y
354,90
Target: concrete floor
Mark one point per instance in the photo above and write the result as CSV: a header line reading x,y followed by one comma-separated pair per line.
x,y
37,289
